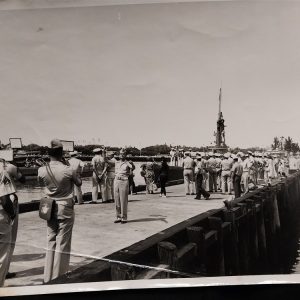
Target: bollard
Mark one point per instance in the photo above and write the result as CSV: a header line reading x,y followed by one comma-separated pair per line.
x,y
196,235
121,271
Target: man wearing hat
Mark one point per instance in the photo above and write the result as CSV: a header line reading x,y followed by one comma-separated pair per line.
x,y
226,174
199,175
188,173
246,164
77,165
111,176
121,187
180,157
253,170
99,165
172,154
219,158
59,179
212,170
236,173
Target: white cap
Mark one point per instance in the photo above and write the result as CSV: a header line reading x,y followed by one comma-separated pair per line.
x,y
74,153
97,150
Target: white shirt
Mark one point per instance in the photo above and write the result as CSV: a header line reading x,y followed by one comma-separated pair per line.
x,y
76,164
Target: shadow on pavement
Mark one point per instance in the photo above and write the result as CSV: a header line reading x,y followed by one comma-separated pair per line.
x,y
28,257
148,220
30,272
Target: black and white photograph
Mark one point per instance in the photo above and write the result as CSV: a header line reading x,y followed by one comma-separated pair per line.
x,y
148,142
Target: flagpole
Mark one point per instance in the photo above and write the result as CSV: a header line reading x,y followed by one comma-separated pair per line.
x,y
220,99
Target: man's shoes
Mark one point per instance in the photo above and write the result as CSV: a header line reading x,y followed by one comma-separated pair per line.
x,y
160,195
197,198
206,198
164,196
10,275
123,221
187,193
193,194
118,221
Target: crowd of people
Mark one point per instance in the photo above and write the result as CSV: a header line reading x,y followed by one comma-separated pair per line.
x,y
203,173
234,173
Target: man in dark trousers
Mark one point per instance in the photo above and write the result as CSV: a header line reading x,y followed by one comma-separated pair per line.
x,y
199,171
236,173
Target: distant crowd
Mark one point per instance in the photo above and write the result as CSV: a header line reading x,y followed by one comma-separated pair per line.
x,y
227,172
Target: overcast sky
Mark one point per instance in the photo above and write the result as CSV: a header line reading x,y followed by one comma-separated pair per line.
x,y
149,74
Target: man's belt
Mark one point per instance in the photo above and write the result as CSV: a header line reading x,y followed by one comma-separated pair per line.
x,y
121,178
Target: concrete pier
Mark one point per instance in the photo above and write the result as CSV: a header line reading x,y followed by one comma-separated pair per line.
x,y
96,236
170,237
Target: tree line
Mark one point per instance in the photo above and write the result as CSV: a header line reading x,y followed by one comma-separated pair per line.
x,y
286,144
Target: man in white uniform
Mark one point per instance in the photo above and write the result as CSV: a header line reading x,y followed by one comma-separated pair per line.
x,y
121,187
59,179
77,165
99,177
111,170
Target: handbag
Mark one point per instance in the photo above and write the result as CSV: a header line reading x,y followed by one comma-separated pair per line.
x,y
46,208
47,205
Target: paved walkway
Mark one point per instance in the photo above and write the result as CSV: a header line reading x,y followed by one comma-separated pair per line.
x,y
96,235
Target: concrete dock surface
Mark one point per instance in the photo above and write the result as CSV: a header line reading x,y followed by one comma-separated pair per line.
x,y
95,235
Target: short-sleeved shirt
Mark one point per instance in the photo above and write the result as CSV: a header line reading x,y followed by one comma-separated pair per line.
x,y
111,168
212,164
99,163
237,169
226,165
200,167
76,164
293,163
61,186
8,172
188,163
247,164
123,169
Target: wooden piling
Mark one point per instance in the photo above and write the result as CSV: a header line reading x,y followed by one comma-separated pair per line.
x,y
231,243
253,239
218,261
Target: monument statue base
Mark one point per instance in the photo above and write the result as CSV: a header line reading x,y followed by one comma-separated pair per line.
x,y
221,149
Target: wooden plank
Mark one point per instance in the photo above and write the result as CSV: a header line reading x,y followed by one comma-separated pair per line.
x,y
154,273
185,256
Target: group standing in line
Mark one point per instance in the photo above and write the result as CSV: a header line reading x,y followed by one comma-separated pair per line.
x,y
237,173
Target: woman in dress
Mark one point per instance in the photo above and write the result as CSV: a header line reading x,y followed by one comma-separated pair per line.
x,y
150,176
